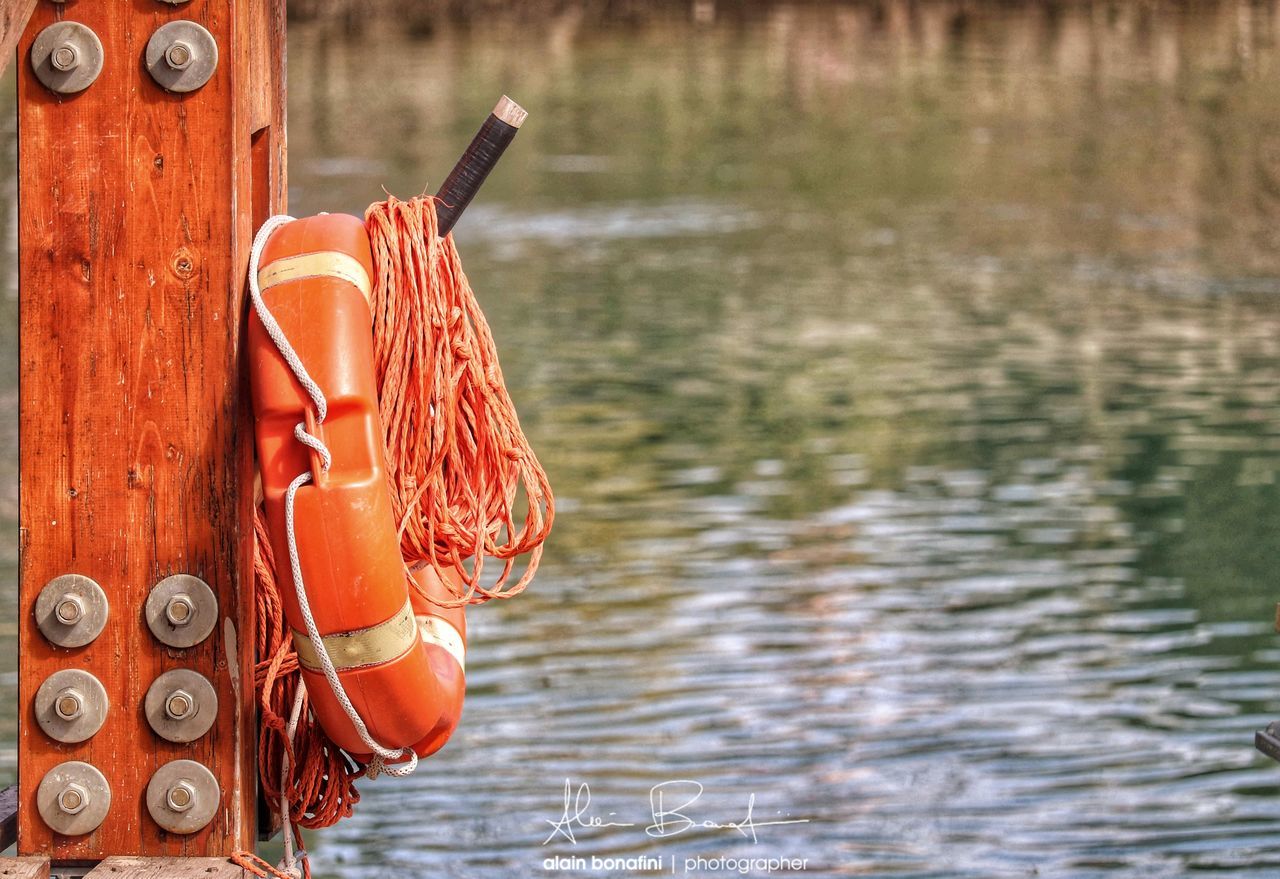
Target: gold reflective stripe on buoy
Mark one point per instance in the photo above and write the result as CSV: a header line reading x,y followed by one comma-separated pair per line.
x,y
362,647
323,264
437,631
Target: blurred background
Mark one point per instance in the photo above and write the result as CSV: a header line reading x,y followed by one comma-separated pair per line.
x,y
909,377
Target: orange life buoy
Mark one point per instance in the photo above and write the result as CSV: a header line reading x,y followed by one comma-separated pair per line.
x,y
398,658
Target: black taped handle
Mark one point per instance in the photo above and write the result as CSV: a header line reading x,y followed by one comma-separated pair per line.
x,y
464,181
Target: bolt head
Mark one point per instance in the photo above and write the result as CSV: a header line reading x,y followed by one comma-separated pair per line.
x,y
69,703
180,797
179,55
69,610
73,799
179,705
180,609
65,57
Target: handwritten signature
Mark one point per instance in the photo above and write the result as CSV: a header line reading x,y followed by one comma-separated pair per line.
x,y
668,802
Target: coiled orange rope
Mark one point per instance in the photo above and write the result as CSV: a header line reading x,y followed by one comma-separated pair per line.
x,y
459,468
456,455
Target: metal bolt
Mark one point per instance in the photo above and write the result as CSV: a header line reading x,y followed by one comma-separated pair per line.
x,y
69,610
179,704
180,797
179,55
65,57
180,609
74,798
69,703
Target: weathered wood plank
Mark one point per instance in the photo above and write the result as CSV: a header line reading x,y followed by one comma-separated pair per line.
x,y
136,454
24,868
166,868
8,817
14,15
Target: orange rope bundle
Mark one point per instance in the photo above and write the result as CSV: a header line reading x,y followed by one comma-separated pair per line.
x,y
457,463
264,869
456,456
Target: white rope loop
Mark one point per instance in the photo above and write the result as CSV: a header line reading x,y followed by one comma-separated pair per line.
x,y
269,321
314,443
381,755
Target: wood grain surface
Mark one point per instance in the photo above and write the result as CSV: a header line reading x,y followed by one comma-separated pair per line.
x,y
14,15
24,868
165,868
8,817
136,215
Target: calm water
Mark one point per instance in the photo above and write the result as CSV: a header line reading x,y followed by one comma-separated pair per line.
x,y
911,386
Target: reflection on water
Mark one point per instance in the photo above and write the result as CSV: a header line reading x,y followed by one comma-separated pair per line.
x,y
910,377
910,380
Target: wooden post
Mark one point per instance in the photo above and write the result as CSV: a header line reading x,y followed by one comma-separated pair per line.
x,y
137,208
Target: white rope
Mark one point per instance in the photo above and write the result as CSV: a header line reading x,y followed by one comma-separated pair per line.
x,y
381,755
269,321
290,862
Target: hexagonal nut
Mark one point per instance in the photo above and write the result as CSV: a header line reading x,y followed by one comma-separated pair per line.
x,y
74,798
65,57
69,703
180,609
180,704
179,55
70,609
181,796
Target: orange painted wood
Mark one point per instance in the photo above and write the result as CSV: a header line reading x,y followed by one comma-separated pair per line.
x,y
14,15
136,441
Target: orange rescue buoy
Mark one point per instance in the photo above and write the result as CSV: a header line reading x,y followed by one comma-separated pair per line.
x,y
398,659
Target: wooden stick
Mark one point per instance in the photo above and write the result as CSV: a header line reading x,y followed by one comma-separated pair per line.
x,y
463,182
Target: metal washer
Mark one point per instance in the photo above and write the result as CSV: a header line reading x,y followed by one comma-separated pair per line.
x,y
56,780
203,56
204,611
93,700
206,801
88,50
204,713
84,630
